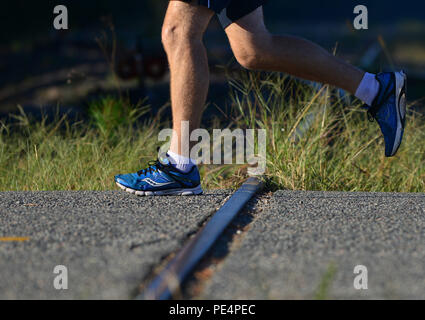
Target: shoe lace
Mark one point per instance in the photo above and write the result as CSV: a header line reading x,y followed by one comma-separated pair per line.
x,y
153,166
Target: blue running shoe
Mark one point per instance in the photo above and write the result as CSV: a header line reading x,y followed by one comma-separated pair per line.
x,y
389,109
159,179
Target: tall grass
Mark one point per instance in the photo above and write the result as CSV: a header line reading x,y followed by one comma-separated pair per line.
x,y
317,140
62,155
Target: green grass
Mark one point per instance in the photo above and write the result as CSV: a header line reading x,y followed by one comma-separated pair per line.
x,y
41,156
341,150
323,290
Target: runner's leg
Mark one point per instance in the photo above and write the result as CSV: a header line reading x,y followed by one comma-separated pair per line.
x,y
385,93
183,29
255,48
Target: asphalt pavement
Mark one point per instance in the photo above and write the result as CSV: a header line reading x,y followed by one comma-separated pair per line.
x,y
299,245
305,245
108,241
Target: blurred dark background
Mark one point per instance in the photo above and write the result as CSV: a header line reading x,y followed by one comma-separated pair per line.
x,y
43,67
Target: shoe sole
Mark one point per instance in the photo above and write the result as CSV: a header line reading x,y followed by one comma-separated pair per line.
x,y
401,86
172,192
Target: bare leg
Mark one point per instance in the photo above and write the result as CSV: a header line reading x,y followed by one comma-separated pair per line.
x,y
182,33
256,48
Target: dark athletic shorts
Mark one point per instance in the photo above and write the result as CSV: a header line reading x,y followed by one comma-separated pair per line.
x,y
229,11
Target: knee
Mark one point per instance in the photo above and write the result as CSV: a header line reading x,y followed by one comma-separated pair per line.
x,y
252,52
175,37
170,35
249,59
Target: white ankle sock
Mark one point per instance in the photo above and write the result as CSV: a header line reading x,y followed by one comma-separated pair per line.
x,y
179,162
368,89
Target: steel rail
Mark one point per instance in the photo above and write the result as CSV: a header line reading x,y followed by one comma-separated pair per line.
x,y
169,280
